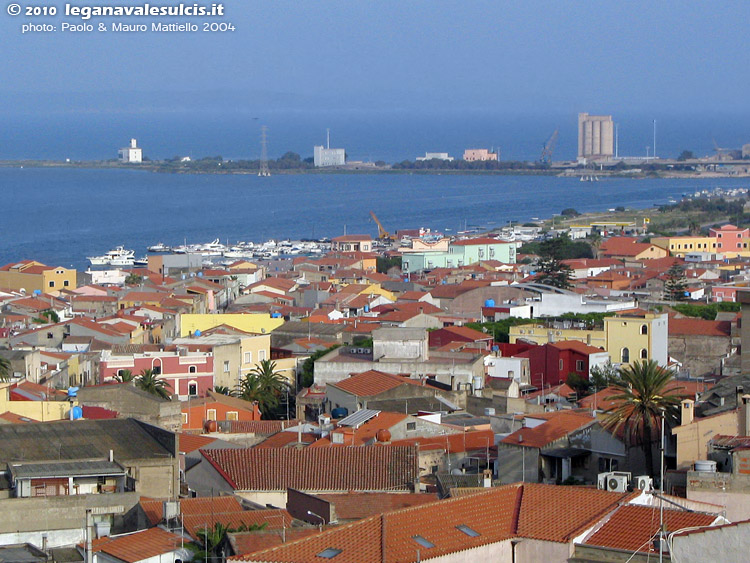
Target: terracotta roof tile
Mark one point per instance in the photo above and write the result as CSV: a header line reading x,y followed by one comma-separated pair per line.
x,y
139,546
354,506
631,527
321,469
191,442
154,508
371,382
272,518
554,428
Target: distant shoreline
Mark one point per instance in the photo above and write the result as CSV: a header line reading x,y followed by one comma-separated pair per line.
x,y
159,167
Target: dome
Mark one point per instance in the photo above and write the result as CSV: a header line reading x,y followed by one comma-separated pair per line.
x,y
383,435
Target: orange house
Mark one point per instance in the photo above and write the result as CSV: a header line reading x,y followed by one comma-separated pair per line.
x,y
198,413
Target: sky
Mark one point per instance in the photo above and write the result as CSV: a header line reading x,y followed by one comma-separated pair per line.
x,y
505,57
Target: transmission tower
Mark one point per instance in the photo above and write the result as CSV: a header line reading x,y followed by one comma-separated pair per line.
x,y
264,171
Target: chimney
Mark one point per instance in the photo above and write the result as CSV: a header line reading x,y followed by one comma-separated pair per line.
x,y
487,478
686,412
745,406
738,392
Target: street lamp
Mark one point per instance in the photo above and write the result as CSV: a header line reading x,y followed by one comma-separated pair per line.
x,y
322,520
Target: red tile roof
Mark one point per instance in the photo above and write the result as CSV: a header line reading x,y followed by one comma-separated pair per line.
x,y
373,468
631,527
576,346
15,418
272,518
699,327
372,382
287,440
264,427
244,543
476,241
364,434
472,440
554,428
154,508
354,506
139,545
542,512
191,442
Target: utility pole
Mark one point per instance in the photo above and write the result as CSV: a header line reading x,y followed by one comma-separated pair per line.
x,y
264,171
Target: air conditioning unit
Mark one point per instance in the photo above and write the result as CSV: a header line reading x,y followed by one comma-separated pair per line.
x,y
644,483
617,483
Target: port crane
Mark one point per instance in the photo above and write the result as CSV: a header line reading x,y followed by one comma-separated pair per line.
x,y
549,148
382,233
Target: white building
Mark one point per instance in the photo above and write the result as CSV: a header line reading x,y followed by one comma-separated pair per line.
x,y
328,157
133,153
436,156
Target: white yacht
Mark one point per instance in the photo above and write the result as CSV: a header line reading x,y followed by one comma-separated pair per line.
x,y
117,257
161,247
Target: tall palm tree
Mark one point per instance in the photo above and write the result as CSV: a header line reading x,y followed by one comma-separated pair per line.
x,y
124,376
265,385
223,390
5,371
149,382
644,396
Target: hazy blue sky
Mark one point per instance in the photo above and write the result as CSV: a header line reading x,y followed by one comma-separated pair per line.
x,y
526,56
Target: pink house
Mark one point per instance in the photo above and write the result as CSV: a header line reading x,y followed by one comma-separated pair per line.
x,y
730,238
187,375
472,155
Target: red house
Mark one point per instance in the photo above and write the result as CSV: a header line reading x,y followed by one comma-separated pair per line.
x,y
187,375
550,364
216,407
443,336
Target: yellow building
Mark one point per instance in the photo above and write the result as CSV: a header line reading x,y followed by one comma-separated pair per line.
x,y
627,337
637,335
255,323
32,276
693,434
680,246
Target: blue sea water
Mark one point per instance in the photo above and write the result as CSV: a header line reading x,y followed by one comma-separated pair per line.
x,y
60,216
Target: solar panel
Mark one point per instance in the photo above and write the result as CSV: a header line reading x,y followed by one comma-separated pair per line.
x,y
358,418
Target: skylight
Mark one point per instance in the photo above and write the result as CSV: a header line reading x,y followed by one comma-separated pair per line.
x,y
423,542
468,531
329,553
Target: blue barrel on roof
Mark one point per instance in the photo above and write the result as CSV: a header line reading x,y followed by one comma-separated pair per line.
x,y
77,413
339,412
198,333
489,302
275,315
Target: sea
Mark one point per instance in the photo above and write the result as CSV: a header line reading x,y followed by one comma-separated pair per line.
x,y
60,216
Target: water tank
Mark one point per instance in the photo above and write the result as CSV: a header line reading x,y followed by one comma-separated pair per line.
x,y
77,413
275,315
367,308
383,436
37,292
339,412
210,426
200,274
489,411
477,382
198,333
489,302
495,348
705,465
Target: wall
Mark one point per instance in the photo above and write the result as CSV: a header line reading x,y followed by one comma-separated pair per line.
x,y
533,551
693,438
725,543
699,353
260,323
517,463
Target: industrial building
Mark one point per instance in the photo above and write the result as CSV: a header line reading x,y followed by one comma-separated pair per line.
x,y
473,155
326,156
595,137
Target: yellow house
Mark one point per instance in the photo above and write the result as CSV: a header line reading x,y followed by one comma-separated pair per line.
x,y
680,246
628,336
637,335
41,411
32,276
543,334
255,323
693,434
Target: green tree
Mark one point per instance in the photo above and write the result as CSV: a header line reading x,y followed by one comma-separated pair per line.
x,y
686,155
581,385
133,279
604,375
676,284
385,263
569,212
643,397
124,376
210,539
223,390
150,383
265,385
5,370
308,366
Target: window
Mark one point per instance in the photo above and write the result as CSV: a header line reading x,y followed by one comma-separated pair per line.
x,y
644,329
411,425
248,357
625,356
193,389
192,369
261,355
423,542
157,369
468,531
184,418
560,364
66,283
226,367
579,365
337,438
52,284
329,553
211,414
232,415
644,354
50,335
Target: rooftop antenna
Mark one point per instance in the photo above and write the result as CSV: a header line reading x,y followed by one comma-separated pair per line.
x,y
264,171
328,138
617,140
654,153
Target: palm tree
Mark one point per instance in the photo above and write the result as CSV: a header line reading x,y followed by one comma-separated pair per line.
x,y
124,376
149,382
644,397
211,538
265,385
223,390
5,371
